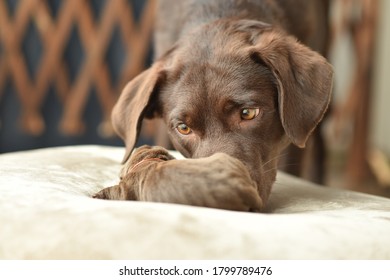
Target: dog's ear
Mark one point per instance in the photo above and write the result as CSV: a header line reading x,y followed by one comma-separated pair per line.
x,y
303,78
136,102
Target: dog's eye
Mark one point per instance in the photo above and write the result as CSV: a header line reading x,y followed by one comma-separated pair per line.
x,y
249,113
184,129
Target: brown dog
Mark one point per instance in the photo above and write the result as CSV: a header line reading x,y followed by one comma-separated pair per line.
x,y
234,80
218,181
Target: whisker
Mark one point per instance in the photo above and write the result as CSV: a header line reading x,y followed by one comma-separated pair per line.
x,y
269,170
284,165
277,157
288,164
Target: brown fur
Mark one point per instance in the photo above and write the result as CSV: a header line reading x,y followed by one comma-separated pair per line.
x,y
219,181
228,55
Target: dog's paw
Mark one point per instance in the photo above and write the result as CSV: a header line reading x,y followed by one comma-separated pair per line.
x,y
231,196
108,193
248,199
100,195
218,181
229,185
143,153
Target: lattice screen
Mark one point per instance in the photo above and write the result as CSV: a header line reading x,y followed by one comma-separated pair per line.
x,y
61,26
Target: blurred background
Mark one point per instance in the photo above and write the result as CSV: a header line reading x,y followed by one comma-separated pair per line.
x,y
64,63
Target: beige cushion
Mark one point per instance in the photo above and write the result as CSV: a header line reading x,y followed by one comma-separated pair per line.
x,y
46,213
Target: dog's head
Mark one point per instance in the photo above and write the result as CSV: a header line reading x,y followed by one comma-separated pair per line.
x,y
242,88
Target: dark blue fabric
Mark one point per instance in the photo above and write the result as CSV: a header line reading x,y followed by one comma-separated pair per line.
x,y
12,138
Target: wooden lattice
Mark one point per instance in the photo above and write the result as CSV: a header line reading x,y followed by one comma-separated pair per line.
x,y
54,33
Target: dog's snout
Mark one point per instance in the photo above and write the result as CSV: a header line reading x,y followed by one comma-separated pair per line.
x,y
208,148
250,159
204,152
